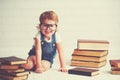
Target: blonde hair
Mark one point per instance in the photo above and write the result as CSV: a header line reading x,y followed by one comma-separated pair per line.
x,y
48,15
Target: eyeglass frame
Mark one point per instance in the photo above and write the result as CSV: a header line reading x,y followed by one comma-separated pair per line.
x,y
46,26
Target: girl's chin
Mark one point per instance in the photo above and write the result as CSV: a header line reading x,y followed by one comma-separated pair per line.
x,y
48,34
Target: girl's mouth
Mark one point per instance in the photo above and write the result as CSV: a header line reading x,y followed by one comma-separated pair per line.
x,y
48,32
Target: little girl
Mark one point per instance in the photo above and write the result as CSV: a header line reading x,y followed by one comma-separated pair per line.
x,y
46,42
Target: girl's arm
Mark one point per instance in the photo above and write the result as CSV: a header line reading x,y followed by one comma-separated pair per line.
x,y
61,57
38,55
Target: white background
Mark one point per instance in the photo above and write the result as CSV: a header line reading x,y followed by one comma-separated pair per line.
x,y
78,19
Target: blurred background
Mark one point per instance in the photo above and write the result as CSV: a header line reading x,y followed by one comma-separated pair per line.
x,y
78,19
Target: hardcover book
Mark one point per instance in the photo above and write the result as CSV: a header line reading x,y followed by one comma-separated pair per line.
x,y
92,44
116,72
12,60
89,58
7,77
4,66
115,68
96,53
88,64
15,73
83,71
115,63
12,70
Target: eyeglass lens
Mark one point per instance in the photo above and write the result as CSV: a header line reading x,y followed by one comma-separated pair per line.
x,y
50,26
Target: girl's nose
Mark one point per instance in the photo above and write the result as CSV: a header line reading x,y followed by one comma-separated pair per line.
x,y
48,28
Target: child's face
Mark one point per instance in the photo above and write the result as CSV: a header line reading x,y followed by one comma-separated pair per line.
x,y
48,28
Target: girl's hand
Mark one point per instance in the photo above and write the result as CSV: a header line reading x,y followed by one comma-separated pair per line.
x,y
63,69
36,40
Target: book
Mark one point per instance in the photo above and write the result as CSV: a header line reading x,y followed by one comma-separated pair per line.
x,y
8,77
12,60
89,58
96,53
2,79
115,68
4,66
88,63
12,70
116,72
15,73
86,44
115,63
83,71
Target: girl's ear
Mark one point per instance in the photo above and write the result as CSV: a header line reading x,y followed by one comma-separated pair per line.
x,y
56,28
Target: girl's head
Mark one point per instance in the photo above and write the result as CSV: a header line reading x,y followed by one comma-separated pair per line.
x,y
48,23
48,15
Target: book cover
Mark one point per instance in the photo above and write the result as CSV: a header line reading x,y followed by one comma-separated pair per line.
x,y
115,63
7,77
92,44
88,64
96,53
4,66
15,73
89,58
12,60
12,70
115,68
83,71
115,72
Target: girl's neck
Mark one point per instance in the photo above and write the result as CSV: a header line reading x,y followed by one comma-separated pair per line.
x,y
48,38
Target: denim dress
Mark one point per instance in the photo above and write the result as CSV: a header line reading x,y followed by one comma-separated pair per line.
x,y
48,49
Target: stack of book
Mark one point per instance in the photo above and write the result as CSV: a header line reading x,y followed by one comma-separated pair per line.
x,y
90,53
115,66
10,68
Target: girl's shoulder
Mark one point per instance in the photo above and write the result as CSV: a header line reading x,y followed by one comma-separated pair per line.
x,y
58,37
38,35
